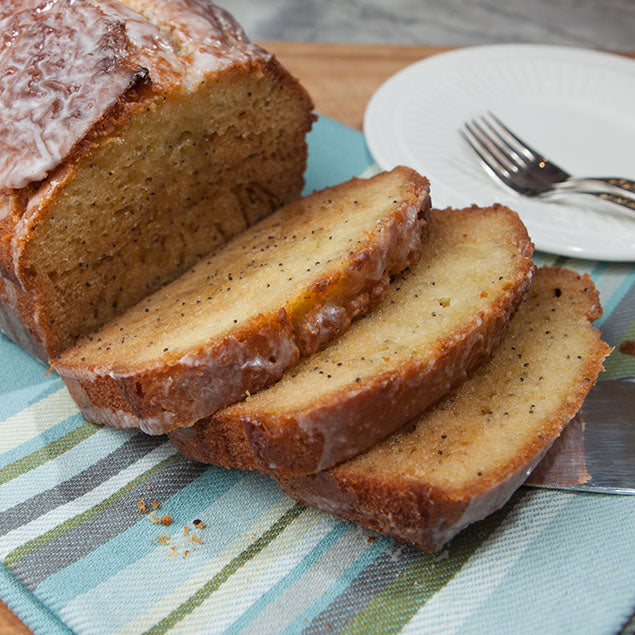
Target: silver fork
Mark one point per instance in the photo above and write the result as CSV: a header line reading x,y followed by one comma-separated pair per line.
x,y
525,156
518,167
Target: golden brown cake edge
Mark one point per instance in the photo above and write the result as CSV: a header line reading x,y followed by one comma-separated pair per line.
x,y
305,442
426,516
180,390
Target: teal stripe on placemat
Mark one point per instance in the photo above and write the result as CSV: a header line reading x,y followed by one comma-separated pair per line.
x,y
323,168
31,611
63,428
290,579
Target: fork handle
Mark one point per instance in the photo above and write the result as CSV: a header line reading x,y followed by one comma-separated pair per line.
x,y
622,201
616,185
625,202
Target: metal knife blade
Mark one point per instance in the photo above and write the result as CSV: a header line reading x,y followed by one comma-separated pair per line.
x,y
596,451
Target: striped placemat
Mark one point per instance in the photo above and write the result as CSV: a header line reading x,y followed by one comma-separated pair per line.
x,y
78,554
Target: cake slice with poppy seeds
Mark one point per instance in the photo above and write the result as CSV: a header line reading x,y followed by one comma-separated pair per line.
x,y
464,457
443,318
240,317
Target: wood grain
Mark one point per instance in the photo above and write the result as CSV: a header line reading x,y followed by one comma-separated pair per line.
x,y
341,77
9,623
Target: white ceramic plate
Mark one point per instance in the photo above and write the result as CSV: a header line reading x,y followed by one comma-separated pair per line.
x,y
575,105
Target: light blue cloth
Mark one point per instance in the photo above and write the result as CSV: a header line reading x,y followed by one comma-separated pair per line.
x,y
79,555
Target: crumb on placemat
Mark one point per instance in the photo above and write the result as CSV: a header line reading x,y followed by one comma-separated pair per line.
x,y
627,347
181,543
164,538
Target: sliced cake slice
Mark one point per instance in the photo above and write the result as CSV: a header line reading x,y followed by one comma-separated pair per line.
x,y
242,315
464,457
443,318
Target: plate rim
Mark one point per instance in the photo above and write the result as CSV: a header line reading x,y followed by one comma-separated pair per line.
x,y
449,58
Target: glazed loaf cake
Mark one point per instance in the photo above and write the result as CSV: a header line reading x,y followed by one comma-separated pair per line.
x,y
134,137
234,322
464,457
443,318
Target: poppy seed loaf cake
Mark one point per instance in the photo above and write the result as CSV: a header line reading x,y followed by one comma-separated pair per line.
x,y
464,457
234,322
135,136
442,318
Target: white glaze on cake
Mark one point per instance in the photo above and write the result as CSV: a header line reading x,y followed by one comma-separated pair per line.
x,y
208,38
216,376
63,65
150,48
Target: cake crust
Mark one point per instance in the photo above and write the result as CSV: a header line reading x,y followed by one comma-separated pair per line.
x,y
427,511
316,433
174,389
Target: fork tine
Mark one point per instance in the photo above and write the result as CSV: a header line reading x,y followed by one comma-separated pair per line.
x,y
526,149
486,152
496,147
511,152
496,171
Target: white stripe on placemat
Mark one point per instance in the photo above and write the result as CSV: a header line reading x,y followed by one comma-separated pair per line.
x,y
35,419
488,566
22,535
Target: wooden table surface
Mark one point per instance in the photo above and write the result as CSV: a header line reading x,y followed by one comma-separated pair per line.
x,y
340,78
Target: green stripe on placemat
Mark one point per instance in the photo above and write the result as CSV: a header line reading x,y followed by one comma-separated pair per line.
x,y
22,550
392,608
228,570
48,452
